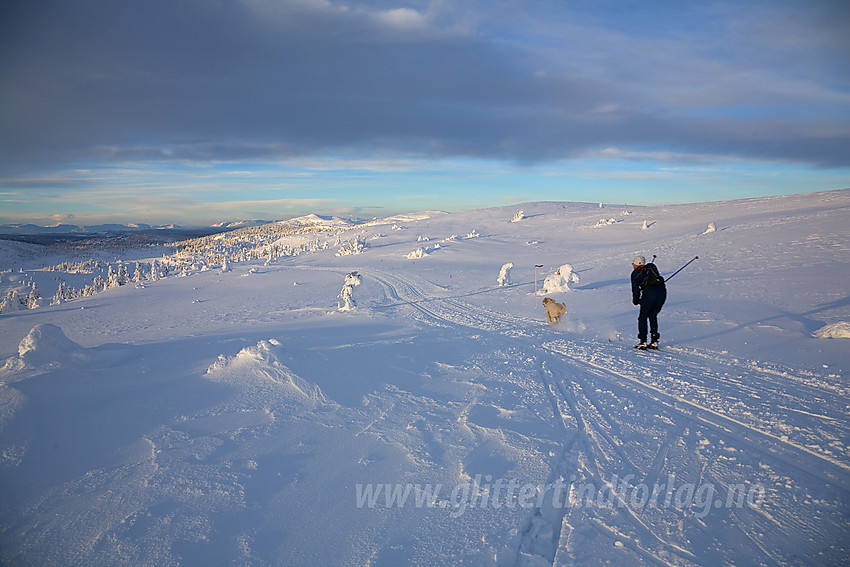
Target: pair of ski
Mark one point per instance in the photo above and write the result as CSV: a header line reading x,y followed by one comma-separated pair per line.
x,y
644,346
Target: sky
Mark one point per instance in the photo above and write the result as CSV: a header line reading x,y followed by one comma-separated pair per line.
x,y
202,111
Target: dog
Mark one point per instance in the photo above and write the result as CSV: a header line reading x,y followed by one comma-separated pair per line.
x,y
554,310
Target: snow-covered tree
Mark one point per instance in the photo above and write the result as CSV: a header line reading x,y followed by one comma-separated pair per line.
x,y
33,298
352,280
116,276
97,285
505,274
351,247
60,295
563,279
518,216
12,302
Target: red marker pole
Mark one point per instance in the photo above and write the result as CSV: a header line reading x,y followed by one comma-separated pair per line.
x,y
535,284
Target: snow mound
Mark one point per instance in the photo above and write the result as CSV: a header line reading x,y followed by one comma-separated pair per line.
x,y
259,368
562,280
839,330
418,253
605,222
45,345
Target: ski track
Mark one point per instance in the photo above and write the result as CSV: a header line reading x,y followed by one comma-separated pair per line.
x,y
576,374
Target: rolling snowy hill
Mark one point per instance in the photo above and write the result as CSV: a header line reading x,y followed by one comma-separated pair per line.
x,y
216,406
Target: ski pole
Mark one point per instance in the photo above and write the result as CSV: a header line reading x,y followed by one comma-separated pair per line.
x,y
682,268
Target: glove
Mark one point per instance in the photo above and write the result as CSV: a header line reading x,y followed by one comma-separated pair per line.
x,y
635,301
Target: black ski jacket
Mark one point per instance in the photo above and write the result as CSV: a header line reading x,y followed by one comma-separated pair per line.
x,y
638,285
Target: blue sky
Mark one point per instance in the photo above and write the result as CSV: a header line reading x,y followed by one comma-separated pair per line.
x,y
195,111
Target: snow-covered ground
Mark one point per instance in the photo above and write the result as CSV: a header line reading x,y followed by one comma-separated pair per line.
x,y
218,417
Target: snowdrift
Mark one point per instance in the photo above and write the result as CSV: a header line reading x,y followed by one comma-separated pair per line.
x,y
44,346
258,370
838,330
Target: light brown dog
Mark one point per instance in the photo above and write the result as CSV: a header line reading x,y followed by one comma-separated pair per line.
x,y
554,310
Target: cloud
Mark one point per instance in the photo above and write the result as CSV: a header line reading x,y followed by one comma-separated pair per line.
x,y
261,81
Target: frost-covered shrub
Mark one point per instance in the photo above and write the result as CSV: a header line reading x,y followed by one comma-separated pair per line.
x,y
116,277
33,298
351,247
416,254
346,296
562,280
13,302
505,274
518,216
60,295
711,228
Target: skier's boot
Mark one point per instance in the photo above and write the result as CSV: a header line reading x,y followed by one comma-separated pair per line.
x,y
653,345
641,346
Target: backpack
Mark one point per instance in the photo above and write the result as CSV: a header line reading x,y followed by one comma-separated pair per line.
x,y
651,276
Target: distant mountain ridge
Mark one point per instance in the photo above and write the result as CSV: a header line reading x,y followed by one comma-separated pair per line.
x,y
30,229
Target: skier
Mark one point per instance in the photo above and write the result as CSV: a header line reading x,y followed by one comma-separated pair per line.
x,y
648,291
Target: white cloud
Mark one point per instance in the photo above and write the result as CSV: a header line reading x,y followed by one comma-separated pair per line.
x,y
403,18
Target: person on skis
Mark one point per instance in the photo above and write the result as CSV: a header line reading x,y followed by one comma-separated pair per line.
x,y
648,291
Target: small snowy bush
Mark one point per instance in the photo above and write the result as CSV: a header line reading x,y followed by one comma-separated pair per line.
x,y
711,228
352,280
416,254
33,299
13,302
505,274
562,280
518,216
352,247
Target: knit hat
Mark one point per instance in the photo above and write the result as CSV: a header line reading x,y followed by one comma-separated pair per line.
x,y
639,261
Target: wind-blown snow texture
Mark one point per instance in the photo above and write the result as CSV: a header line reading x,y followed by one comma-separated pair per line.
x,y
217,417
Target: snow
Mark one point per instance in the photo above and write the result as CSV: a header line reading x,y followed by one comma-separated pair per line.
x,y
44,345
221,419
564,279
837,330
505,274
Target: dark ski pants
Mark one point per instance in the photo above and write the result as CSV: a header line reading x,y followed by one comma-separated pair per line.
x,y
651,302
